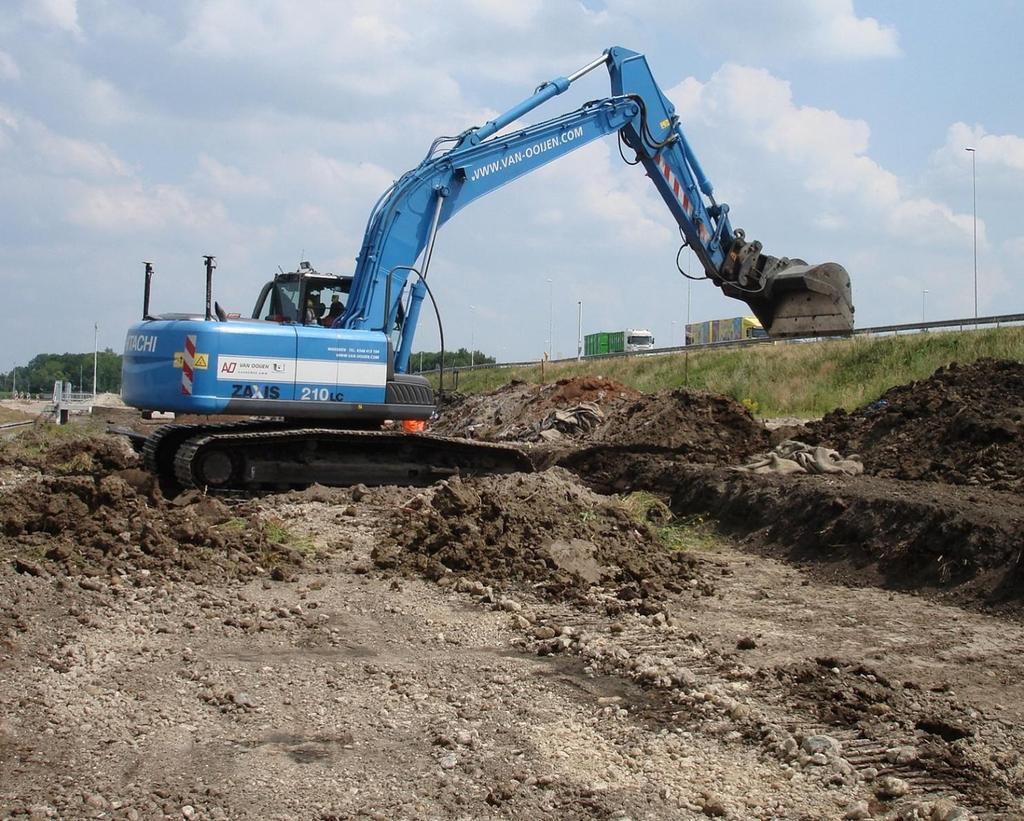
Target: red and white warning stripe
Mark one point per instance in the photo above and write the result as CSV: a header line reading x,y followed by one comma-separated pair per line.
x,y
187,361
680,194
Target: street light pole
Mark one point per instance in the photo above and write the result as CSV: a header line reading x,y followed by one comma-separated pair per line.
x,y
472,335
688,283
95,349
974,198
579,329
924,293
551,317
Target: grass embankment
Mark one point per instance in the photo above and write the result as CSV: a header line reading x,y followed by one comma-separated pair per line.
x,y
803,380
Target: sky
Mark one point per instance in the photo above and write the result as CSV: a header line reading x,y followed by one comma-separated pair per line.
x,y
263,131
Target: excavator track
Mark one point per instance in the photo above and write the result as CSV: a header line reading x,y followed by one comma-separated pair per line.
x,y
234,458
161,446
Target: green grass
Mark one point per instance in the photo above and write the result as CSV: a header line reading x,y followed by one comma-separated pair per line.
x,y
31,444
272,536
693,532
233,525
803,380
275,532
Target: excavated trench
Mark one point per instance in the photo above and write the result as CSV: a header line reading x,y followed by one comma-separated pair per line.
x,y
938,510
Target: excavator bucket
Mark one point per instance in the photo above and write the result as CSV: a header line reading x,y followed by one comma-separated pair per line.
x,y
805,300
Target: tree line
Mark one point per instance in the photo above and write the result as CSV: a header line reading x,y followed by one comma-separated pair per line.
x,y
423,361
44,369
38,376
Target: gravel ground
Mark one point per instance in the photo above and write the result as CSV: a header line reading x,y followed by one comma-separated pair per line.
x,y
758,692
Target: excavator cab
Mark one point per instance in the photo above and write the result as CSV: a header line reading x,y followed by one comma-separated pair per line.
x,y
303,297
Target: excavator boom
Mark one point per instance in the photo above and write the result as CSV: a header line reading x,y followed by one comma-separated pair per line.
x,y
788,296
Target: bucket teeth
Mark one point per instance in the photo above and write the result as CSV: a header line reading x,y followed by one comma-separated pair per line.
x,y
804,300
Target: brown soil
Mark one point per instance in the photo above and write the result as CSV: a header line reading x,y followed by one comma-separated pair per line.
x,y
958,544
8,415
67,451
118,524
515,411
962,425
543,529
701,426
164,683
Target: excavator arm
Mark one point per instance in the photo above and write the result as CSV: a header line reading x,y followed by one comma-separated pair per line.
x,y
790,297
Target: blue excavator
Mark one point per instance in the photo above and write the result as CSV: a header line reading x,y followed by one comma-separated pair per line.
x,y
323,360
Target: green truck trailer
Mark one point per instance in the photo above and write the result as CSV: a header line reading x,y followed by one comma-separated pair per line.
x,y
631,339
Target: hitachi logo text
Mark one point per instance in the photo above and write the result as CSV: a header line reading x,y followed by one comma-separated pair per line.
x,y
140,343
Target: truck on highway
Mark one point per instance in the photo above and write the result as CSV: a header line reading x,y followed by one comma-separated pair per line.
x,y
631,339
724,330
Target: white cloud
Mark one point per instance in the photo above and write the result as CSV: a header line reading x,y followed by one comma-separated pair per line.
x,y
8,67
103,102
40,148
597,197
825,30
228,179
841,33
133,207
993,151
335,176
519,15
824,151
62,14
1014,247
337,33
7,120
80,157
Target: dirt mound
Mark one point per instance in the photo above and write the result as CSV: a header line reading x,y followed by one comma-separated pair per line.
x,y
118,523
516,410
63,451
694,426
962,425
109,400
543,529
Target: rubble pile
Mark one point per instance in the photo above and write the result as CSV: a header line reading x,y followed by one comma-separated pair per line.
x,y
63,451
118,524
520,412
543,529
962,425
702,426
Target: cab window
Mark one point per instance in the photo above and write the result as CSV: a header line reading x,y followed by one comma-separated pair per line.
x,y
281,304
325,303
